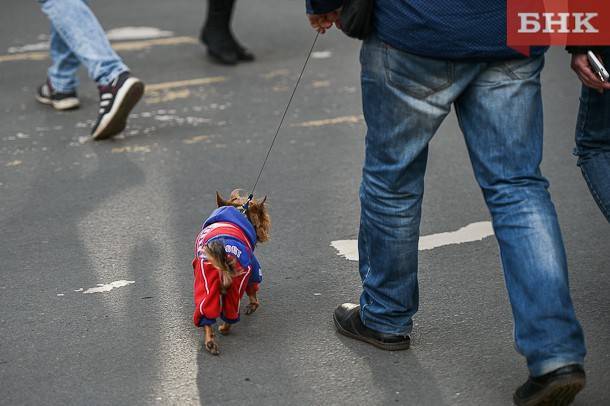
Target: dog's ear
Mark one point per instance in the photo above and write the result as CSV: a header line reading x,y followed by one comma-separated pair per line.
x,y
235,196
262,202
220,202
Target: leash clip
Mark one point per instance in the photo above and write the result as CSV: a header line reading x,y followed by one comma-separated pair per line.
x,y
244,208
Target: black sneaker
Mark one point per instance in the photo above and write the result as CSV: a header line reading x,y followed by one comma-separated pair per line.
x,y
347,320
557,388
116,101
59,101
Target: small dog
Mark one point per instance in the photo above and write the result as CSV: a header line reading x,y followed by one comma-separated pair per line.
x,y
225,266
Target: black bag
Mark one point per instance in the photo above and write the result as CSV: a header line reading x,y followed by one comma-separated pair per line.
x,y
357,18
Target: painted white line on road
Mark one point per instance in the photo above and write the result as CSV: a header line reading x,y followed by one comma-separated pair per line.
x,y
470,233
38,46
132,33
330,121
116,34
101,288
119,46
321,54
144,44
184,83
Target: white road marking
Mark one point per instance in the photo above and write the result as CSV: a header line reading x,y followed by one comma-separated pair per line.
x,y
184,83
116,34
321,54
330,121
131,33
38,46
470,233
109,286
136,45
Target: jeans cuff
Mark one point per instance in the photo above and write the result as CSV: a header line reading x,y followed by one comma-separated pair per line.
x,y
107,78
384,327
63,86
544,367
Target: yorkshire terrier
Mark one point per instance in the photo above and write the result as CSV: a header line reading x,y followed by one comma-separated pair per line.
x,y
225,266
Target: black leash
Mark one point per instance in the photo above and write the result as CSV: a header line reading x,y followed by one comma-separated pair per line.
x,y
251,196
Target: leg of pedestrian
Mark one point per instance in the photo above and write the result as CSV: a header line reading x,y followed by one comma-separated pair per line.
x,y
405,99
59,90
593,143
83,36
216,34
501,117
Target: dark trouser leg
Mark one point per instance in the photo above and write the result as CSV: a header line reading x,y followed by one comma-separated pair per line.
x,y
593,144
217,36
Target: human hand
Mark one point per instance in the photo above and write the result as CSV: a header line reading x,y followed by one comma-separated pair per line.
x,y
580,64
322,22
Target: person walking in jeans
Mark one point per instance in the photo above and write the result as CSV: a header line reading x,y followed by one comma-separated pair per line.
x,y
77,37
593,126
420,61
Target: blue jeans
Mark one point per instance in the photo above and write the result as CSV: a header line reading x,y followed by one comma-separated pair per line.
x,y
593,142
77,37
499,108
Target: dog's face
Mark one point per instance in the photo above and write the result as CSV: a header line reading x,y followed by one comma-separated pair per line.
x,y
257,212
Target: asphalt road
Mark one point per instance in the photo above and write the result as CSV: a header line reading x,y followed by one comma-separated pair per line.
x,y
74,215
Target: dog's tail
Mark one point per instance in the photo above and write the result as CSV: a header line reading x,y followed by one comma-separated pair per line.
x,y
215,251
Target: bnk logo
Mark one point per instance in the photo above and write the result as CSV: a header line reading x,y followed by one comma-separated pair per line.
x,y
562,23
556,22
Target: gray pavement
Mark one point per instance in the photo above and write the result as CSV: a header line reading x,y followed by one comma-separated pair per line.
x,y
77,215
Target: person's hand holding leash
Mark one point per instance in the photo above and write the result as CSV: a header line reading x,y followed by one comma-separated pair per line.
x,y
580,64
322,22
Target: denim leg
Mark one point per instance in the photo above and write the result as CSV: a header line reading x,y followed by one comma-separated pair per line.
x,y
80,30
62,72
405,98
501,117
593,144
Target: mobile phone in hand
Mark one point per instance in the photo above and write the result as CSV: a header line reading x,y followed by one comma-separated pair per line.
x,y
598,67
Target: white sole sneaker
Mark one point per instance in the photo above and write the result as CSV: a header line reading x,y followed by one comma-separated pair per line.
x,y
68,103
115,120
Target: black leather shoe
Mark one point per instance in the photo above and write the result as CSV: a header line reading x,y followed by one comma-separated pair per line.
x,y
224,56
557,388
347,320
243,54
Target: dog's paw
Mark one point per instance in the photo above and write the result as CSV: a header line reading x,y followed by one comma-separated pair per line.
x,y
251,308
212,348
224,329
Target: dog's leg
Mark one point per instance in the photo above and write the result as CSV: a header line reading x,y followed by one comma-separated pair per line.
x,y
253,305
224,329
209,343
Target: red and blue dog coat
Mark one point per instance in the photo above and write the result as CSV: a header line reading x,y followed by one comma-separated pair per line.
x,y
230,226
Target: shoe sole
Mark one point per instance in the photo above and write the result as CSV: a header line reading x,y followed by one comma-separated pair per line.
x,y
383,346
219,60
61,105
559,393
115,120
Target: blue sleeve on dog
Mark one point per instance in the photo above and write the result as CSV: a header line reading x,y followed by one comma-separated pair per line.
x,y
257,274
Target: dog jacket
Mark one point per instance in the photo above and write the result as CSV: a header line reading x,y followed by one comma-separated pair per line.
x,y
239,238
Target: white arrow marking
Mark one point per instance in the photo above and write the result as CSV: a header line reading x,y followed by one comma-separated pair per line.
x,y
472,232
109,286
